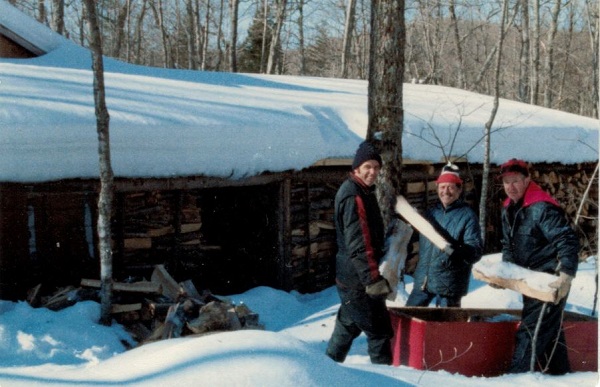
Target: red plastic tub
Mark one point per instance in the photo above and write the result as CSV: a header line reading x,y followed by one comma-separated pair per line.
x,y
478,342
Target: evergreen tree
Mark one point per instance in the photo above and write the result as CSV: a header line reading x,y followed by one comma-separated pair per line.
x,y
250,58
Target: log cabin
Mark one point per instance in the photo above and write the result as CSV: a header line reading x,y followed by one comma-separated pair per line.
x,y
234,215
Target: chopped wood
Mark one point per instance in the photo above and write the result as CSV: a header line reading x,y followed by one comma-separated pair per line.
x,y
169,287
134,287
161,231
121,308
62,299
137,243
189,290
33,296
190,227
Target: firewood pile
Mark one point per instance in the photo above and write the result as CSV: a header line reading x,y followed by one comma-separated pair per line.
x,y
158,309
149,226
313,234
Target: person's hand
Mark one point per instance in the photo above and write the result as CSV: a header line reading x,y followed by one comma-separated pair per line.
x,y
562,286
379,289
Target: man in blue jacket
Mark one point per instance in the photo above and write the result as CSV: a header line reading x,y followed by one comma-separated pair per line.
x,y
360,240
439,276
537,235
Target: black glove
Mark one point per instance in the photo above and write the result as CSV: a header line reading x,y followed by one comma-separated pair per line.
x,y
379,289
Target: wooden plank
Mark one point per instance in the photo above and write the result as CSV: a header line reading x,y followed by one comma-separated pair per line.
x,y
134,287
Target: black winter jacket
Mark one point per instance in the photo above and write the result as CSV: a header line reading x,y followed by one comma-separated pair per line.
x,y
446,275
539,237
360,235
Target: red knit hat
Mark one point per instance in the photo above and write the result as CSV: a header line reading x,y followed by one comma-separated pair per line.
x,y
514,166
449,174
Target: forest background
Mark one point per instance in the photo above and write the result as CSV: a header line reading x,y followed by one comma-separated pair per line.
x,y
550,51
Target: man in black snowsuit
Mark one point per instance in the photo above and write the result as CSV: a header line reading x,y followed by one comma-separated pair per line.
x,y
438,275
537,236
360,240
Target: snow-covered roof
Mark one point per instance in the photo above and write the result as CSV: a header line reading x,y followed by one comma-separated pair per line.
x,y
167,123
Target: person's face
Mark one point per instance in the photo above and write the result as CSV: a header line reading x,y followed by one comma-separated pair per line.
x,y
448,193
515,185
368,171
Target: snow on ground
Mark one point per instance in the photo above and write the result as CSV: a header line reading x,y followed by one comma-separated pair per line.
x,y
39,347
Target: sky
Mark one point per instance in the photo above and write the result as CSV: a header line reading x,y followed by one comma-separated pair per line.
x,y
169,123
39,347
177,123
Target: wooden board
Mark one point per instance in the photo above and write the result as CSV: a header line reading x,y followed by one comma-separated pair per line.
x,y
413,217
530,283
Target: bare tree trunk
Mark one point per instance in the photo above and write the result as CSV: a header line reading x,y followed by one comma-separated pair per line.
x,y
524,73
595,42
234,4
41,11
386,114
128,33
301,49
276,38
459,54
549,62
220,36
348,28
535,57
191,33
106,173
567,61
120,30
205,34
263,50
58,16
488,127
159,18
138,33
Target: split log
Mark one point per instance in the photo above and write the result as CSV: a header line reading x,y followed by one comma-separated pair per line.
x,y
530,283
169,287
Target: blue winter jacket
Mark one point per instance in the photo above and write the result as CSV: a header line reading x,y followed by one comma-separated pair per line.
x,y
438,273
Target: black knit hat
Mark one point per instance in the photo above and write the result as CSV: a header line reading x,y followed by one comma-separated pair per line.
x,y
365,152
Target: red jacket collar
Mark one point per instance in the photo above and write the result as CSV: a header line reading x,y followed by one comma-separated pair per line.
x,y
534,194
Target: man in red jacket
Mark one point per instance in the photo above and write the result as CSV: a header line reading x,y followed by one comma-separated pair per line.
x,y
360,240
538,236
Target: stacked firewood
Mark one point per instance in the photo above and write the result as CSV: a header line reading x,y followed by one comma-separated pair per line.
x,y
569,189
149,226
313,235
159,308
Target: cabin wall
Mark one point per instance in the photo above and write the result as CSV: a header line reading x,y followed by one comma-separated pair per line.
x,y
226,239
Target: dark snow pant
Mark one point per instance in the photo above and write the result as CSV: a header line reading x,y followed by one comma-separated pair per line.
x,y
550,349
420,297
360,313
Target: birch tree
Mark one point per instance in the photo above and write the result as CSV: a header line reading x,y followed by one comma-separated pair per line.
x,y
233,9
106,174
386,114
488,126
275,45
348,28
